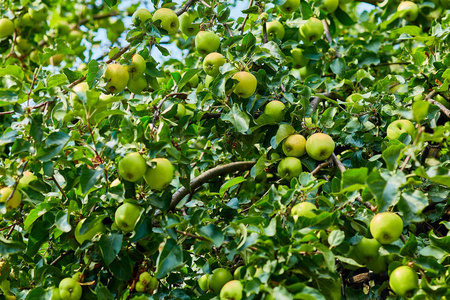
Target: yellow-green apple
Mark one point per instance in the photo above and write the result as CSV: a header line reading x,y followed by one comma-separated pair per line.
x,y
145,277
320,146
330,5
396,128
367,250
237,273
294,145
386,227
23,45
218,279
126,216
89,233
312,30
132,167
15,200
409,9
152,285
275,109
38,13
290,6
354,101
117,77
308,122
303,209
232,290
160,174
298,59
181,110
404,281
6,28
289,167
212,62
203,282
275,29
193,82
137,84
55,293
140,287
56,59
27,177
246,85
207,42
187,25
137,67
70,289
169,20
142,15
75,101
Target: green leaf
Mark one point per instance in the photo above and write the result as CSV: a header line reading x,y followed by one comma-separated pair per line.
x,y
35,214
110,245
336,237
169,258
338,66
229,184
212,233
8,137
385,188
354,179
410,247
283,132
411,204
56,80
343,17
62,222
103,292
393,154
239,119
121,267
89,178
11,70
8,247
420,110
110,3
186,77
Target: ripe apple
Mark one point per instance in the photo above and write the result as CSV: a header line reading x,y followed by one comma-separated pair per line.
x,y
298,59
290,6
303,209
14,202
127,216
38,13
6,28
275,29
169,20
404,281
312,30
137,67
89,233
396,128
186,23
203,282
70,289
140,287
289,167
320,146
367,250
386,227
330,5
132,167
142,15
218,279
294,145
27,177
410,10
232,290
159,176
207,42
246,86
117,77
212,62
275,109
137,84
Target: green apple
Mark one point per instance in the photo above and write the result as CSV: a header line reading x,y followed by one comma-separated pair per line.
x,y
137,84
312,30
377,265
289,167
246,86
137,67
152,285
298,59
290,6
237,273
169,20
294,145
308,122
56,59
75,101
38,13
55,294
142,15
207,42
22,22
232,290
305,72
404,281
23,45
140,287
75,36
132,167
367,250
386,227
187,25
27,177
160,175
89,233
330,5
126,216
275,29
320,146
218,279
117,77
396,128
181,110
70,289
145,277
354,101
193,82
203,282
445,4
275,109
15,200
410,10
6,28
212,62
303,209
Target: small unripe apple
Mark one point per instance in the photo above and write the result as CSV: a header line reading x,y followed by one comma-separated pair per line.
x,y
127,216
294,145
117,77
70,289
27,177
404,281
275,109
56,59
409,9
203,282
140,287
396,128
299,60
15,200
88,234
290,6
320,146
212,62
289,167
275,29
6,28
152,285
169,20
330,5
246,86
39,13
137,84
137,67
186,23
142,15
386,227
145,277
312,30
367,250
218,279
303,209
161,175
207,42
132,167
232,290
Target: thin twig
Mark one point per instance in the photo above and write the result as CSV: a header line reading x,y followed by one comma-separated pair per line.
x,y
338,163
35,74
245,19
185,7
16,183
317,169
59,187
158,108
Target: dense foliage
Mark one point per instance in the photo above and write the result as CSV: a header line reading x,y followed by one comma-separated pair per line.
x,y
227,205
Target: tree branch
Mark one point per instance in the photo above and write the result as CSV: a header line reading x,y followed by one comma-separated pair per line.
x,y
444,109
366,277
246,18
185,7
315,100
208,175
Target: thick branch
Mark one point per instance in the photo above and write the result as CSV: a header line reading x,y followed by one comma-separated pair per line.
x,y
366,277
208,175
185,7
444,109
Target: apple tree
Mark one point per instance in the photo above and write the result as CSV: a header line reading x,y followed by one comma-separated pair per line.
x,y
211,149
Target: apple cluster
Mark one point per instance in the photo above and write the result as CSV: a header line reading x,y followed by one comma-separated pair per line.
x,y
146,283
221,282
